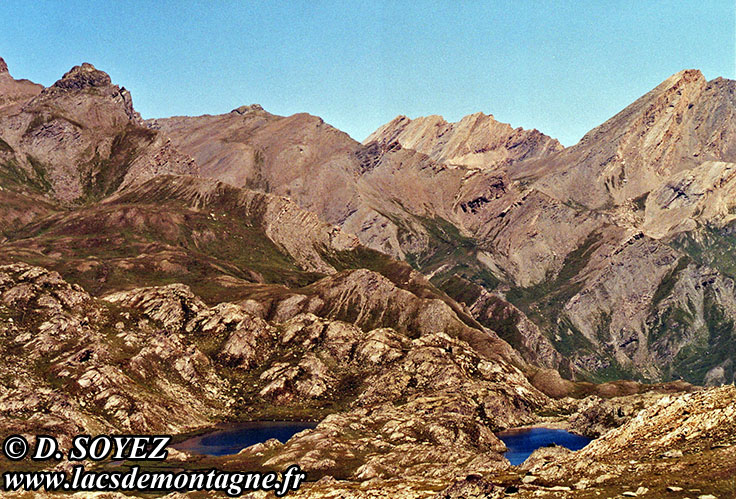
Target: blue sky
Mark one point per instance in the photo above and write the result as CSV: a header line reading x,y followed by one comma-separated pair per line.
x,y
561,67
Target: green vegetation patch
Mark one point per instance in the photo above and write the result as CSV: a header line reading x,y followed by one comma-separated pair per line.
x,y
715,346
13,176
124,246
544,302
667,284
449,253
461,290
41,172
712,246
102,176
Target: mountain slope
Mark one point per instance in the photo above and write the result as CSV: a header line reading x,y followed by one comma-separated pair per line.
x,y
137,300
296,318
20,200
182,229
616,287
680,124
303,158
395,200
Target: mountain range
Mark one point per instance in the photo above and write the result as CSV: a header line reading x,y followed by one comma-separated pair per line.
x,y
420,290
604,280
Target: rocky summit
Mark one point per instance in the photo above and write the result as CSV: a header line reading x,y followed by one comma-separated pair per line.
x,y
478,140
412,295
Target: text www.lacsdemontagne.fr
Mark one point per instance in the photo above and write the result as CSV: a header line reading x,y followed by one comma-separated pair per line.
x,y
231,483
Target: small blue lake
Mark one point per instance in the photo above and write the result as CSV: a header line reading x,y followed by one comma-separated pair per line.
x,y
521,443
231,439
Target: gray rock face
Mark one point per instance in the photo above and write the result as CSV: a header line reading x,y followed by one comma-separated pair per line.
x,y
697,418
140,366
637,459
404,396
173,306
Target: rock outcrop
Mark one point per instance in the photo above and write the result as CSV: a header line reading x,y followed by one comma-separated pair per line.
x,y
72,365
14,93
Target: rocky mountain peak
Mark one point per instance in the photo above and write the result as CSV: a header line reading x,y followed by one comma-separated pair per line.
x,y
397,121
478,116
247,109
682,122
478,140
83,76
677,91
81,138
14,93
72,94
686,76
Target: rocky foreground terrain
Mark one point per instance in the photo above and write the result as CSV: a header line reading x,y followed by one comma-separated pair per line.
x,y
406,413
413,295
